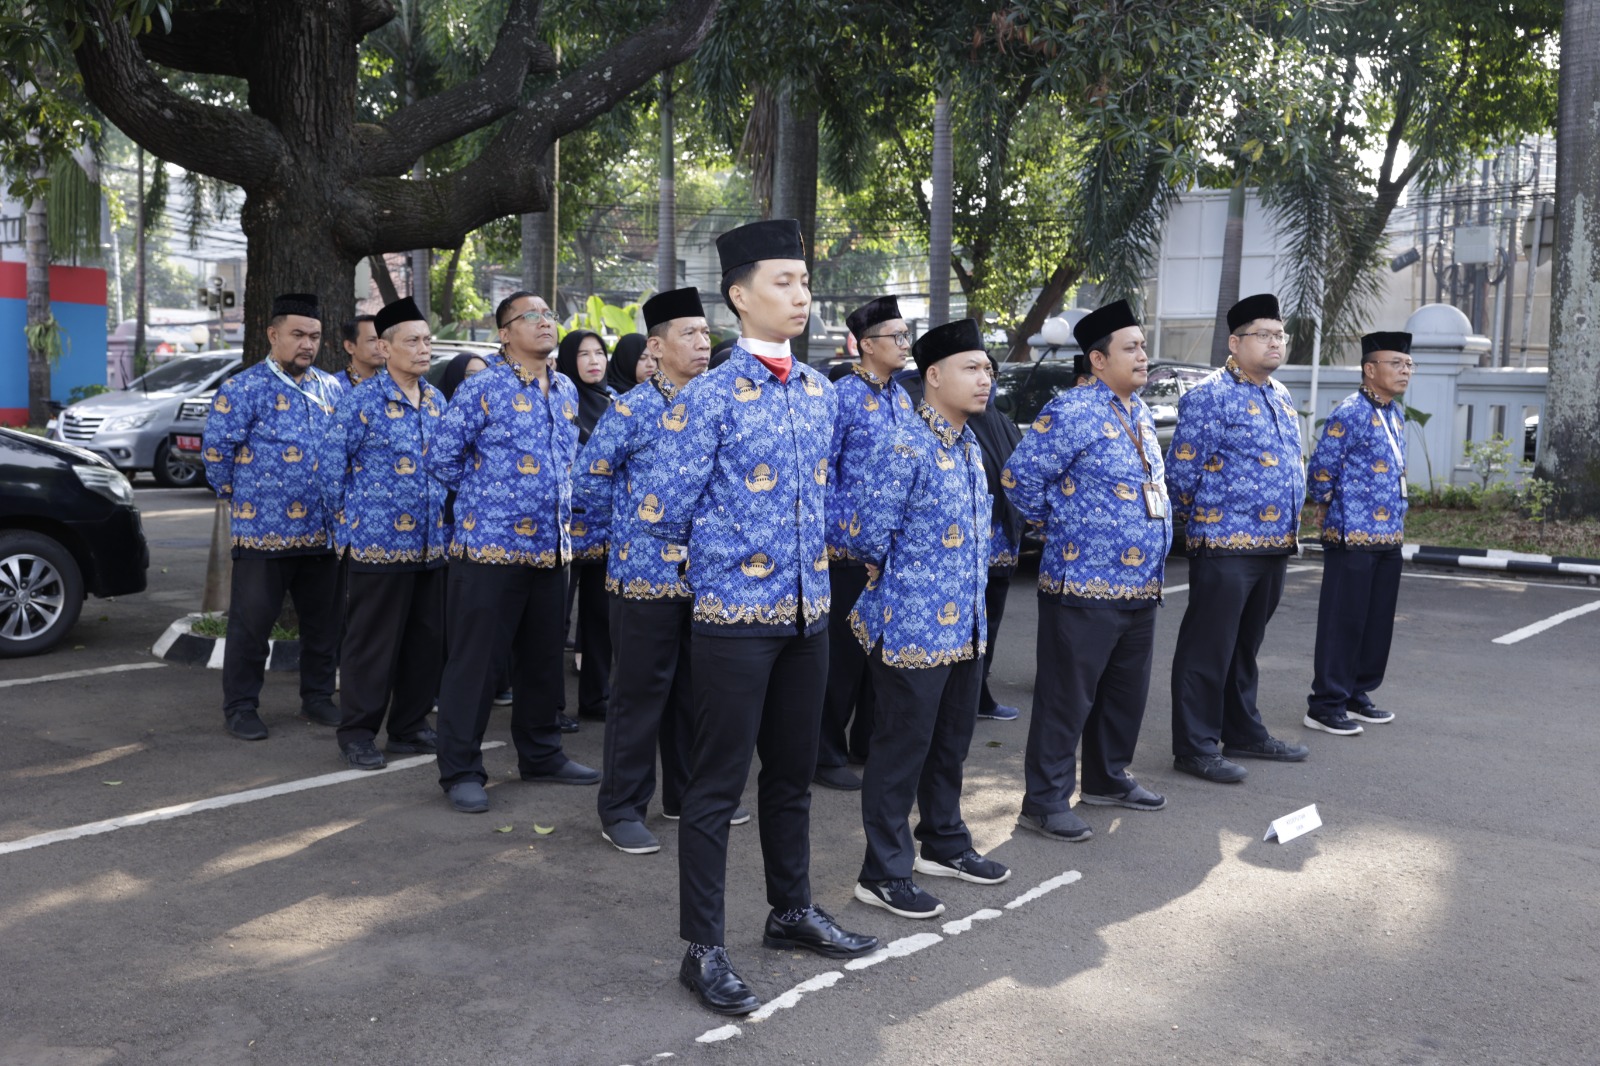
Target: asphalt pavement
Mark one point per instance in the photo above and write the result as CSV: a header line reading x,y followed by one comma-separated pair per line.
x,y
1444,913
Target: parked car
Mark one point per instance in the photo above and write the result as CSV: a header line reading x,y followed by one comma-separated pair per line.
x,y
133,428
68,528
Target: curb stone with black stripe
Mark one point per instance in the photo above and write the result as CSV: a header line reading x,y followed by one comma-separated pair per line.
x,y
179,644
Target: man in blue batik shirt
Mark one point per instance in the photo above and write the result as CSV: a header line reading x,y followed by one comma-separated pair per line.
x,y
923,534
261,448
506,447
389,526
741,479
1357,479
1234,470
871,405
1090,469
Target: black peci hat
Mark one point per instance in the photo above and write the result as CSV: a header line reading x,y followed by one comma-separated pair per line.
x,y
1102,323
871,313
402,310
296,303
1251,308
1386,342
773,238
941,342
674,303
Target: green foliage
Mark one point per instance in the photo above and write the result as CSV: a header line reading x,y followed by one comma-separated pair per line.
x,y
459,300
603,318
46,338
1421,419
73,208
1488,458
1537,496
83,392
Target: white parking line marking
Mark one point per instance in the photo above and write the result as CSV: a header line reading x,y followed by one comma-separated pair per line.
x,y
1554,620
181,512
232,799
897,949
70,674
1476,580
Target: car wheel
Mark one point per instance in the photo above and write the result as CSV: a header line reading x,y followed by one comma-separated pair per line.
x,y
172,472
41,593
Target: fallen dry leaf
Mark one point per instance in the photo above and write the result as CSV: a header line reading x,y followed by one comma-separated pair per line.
x,y
543,830
504,829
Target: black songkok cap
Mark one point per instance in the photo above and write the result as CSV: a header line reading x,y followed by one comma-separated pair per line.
x,y
674,303
296,303
870,314
402,310
1102,323
774,238
1386,342
941,342
1251,308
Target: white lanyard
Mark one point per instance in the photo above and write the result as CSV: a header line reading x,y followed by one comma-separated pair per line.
x,y
321,399
1394,445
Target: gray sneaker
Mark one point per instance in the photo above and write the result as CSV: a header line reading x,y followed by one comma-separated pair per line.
x,y
1137,798
631,838
1061,825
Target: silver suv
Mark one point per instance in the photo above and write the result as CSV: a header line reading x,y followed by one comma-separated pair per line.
x,y
134,427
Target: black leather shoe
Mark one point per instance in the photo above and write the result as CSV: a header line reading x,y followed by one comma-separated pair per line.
x,y
711,977
837,777
817,931
362,755
322,712
569,773
423,742
246,725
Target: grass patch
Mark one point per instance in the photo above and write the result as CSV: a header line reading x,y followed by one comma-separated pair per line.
x,y
1498,518
216,625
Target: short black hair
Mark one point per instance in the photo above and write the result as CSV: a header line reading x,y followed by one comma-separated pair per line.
x,y
1103,346
505,305
660,329
352,328
739,275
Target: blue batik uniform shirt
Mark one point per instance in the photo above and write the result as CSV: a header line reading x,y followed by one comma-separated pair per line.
x,y
742,477
925,512
590,528
1357,469
262,445
388,512
1079,472
869,412
506,449
1234,467
610,469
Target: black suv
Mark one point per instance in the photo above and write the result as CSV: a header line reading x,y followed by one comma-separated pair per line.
x,y
68,528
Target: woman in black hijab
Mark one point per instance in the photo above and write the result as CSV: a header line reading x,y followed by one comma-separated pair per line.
x,y
631,363
581,356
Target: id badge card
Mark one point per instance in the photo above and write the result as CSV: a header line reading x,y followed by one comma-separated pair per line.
x,y
1155,501
1402,486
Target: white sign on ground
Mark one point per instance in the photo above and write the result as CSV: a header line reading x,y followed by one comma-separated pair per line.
x,y
1293,825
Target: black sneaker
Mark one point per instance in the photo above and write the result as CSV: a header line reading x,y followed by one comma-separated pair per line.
x,y
968,866
1337,724
1210,767
322,712
422,742
740,816
900,896
1271,748
362,755
246,725
631,838
567,724
1137,798
1369,713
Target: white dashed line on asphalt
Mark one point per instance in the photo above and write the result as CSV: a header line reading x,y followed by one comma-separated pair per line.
x,y
70,674
897,949
1510,582
1517,635
232,799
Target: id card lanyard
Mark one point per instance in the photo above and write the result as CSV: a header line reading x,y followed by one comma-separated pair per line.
x,y
1394,445
1155,497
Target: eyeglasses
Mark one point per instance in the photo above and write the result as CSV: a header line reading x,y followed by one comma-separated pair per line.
x,y
902,339
1406,363
530,316
1273,337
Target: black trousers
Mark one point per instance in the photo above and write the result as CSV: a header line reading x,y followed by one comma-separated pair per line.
x,y
1214,672
256,600
849,686
651,703
921,731
994,608
751,694
1355,626
498,618
594,637
393,652
1092,682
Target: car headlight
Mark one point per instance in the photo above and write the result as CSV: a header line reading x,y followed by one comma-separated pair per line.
x,y
107,482
138,421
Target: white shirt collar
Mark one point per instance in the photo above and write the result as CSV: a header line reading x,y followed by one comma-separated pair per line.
x,y
766,349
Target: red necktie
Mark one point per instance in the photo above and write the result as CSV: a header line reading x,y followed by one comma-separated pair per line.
x,y
780,366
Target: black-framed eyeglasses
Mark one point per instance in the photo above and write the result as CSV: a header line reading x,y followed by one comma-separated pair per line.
x,y
902,339
1268,336
530,316
1408,364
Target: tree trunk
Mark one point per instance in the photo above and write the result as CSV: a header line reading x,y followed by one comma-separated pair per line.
x,y
794,186
141,307
1232,255
293,248
1570,451
447,299
941,215
545,255
37,243
667,215
1062,278
383,279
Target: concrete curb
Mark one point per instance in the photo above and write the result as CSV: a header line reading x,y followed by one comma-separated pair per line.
x,y
180,645
1498,559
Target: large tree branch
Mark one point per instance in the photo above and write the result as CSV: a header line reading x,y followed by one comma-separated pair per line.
x,y
237,147
392,148
203,42
508,177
